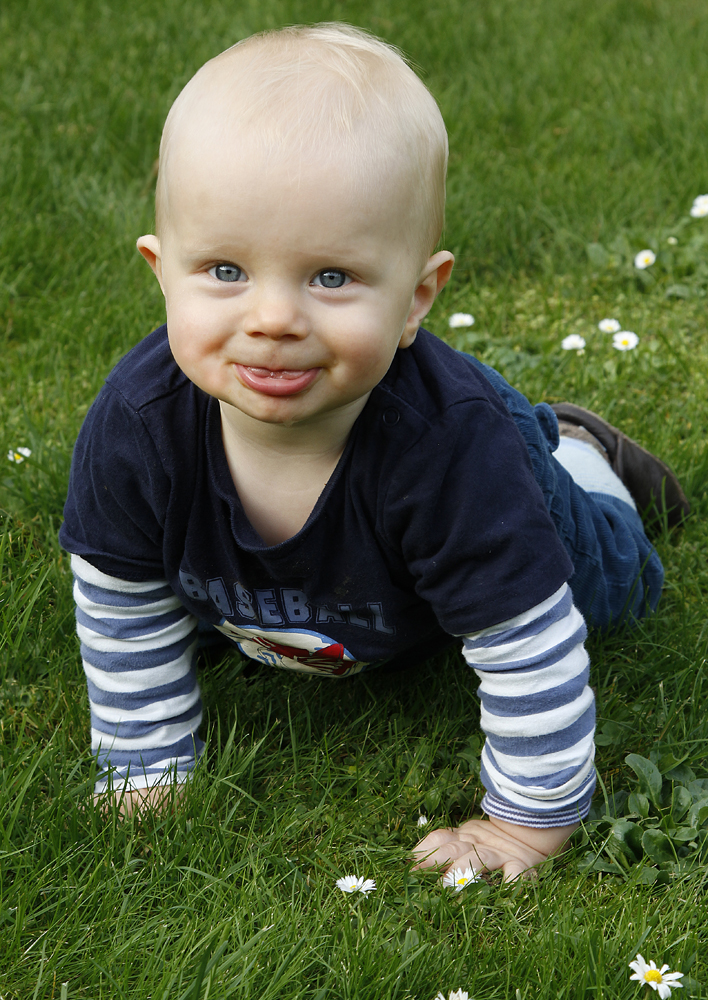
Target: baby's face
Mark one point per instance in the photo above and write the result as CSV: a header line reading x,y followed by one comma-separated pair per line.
x,y
287,292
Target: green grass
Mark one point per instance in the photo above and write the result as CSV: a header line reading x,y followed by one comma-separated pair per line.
x,y
571,124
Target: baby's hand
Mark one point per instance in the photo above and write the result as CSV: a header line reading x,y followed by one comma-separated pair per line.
x,y
138,800
488,844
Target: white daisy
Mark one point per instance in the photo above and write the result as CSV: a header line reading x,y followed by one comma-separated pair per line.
x,y
461,319
625,340
609,326
659,979
422,821
699,209
350,883
573,342
454,995
18,455
671,240
457,879
644,259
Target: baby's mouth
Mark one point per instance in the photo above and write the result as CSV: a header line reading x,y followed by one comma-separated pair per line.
x,y
277,382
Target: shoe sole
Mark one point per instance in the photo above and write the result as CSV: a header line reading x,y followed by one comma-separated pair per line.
x,y
649,480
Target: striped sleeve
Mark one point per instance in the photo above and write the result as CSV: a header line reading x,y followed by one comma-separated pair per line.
x,y
138,647
538,714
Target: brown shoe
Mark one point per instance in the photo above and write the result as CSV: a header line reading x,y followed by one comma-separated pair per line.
x,y
650,481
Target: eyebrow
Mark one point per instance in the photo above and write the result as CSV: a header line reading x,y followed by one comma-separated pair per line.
x,y
216,250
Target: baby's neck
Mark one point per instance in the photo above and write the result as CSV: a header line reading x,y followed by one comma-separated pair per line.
x,y
322,436
279,472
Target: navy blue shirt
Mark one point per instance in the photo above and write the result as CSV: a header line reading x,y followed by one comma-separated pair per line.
x,y
432,524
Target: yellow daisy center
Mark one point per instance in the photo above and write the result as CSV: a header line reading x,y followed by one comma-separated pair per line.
x,y
462,880
653,976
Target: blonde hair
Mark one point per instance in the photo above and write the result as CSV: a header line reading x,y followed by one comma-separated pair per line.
x,y
326,82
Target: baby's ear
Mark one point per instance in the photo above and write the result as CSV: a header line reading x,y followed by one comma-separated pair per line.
x,y
433,278
149,247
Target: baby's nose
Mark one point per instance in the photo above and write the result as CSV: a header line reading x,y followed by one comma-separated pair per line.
x,y
274,312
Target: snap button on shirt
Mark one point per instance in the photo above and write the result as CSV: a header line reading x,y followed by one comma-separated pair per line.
x,y
391,416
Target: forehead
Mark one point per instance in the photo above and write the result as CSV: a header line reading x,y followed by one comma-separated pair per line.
x,y
226,180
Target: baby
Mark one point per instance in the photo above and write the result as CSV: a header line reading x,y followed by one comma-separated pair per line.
x,y
294,462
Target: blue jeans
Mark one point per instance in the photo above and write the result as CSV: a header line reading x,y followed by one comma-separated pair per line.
x,y
618,574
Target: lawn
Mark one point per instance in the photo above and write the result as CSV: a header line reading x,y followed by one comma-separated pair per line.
x,y
578,138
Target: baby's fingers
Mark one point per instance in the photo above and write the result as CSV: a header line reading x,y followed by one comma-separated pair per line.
x,y
439,848
480,858
489,858
483,857
514,869
461,854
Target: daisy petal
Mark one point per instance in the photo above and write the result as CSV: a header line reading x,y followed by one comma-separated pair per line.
x,y
573,342
699,209
457,878
625,340
461,319
644,259
660,980
609,326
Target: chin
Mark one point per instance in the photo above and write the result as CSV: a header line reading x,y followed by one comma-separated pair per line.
x,y
266,414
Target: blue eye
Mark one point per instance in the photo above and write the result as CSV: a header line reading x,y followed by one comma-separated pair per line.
x,y
226,272
331,278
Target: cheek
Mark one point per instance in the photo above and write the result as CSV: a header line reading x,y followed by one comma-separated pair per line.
x,y
366,359
374,336
193,329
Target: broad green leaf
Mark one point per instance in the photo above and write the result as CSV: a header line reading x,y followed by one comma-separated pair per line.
x,y
681,800
692,988
658,846
677,771
615,803
627,837
638,803
620,245
432,799
645,278
597,255
698,813
649,776
684,834
678,292
610,867
611,733
698,788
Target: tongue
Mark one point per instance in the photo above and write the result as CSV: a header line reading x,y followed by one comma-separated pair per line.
x,y
283,382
